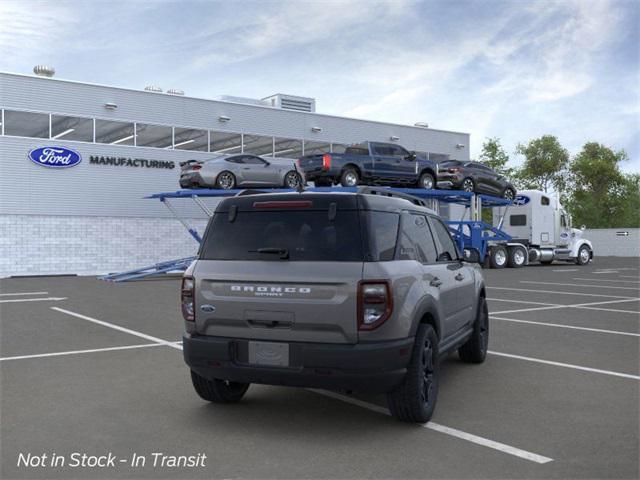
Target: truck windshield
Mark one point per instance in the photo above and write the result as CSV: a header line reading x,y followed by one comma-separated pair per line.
x,y
281,235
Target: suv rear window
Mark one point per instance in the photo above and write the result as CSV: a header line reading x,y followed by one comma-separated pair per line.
x,y
304,235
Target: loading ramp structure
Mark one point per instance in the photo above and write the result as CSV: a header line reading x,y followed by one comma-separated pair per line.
x,y
470,232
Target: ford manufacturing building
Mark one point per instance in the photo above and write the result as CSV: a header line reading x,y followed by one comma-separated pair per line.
x,y
92,217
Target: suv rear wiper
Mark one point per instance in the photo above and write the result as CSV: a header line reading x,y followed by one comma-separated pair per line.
x,y
283,252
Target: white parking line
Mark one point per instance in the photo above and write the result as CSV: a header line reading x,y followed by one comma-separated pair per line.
x,y
534,309
628,276
633,312
76,352
582,285
587,306
565,365
604,280
522,301
531,290
23,293
119,328
586,329
454,432
48,299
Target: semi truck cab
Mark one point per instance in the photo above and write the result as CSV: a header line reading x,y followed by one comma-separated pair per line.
x,y
538,222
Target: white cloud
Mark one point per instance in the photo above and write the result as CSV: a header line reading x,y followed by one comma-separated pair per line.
x,y
32,28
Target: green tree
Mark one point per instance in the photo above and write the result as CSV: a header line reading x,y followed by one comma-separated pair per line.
x,y
494,156
545,164
600,195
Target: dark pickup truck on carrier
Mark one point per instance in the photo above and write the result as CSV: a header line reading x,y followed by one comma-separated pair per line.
x,y
370,163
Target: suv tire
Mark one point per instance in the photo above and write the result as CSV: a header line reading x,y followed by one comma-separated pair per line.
x,y
415,399
218,391
474,350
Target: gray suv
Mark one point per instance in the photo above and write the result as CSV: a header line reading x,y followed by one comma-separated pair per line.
x,y
344,291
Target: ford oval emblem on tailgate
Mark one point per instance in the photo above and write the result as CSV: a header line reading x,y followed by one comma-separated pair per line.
x,y
208,308
55,157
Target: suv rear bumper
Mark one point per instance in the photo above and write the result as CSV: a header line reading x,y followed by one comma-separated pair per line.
x,y
366,367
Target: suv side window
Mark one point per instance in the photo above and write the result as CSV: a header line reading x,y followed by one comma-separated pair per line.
x,y
383,228
416,242
447,250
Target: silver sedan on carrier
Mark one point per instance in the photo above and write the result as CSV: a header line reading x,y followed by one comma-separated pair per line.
x,y
240,170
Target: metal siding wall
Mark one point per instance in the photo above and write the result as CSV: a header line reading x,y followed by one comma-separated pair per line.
x,y
86,189
50,95
102,190
607,244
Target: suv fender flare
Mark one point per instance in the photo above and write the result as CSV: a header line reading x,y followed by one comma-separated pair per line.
x,y
427,312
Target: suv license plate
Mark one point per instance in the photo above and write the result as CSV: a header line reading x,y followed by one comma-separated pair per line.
x,y
268,353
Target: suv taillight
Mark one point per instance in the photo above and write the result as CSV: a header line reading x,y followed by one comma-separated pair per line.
x,y
196,167
454,170
186,296
375,303
326,161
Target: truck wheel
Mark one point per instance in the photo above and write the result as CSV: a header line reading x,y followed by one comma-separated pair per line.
x,y
498,257
517,257
415,399
218,391
426,181
584,255
474,350
226,180
349,178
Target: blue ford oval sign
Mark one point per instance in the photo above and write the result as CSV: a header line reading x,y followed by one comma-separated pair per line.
x,y
521,200
55,157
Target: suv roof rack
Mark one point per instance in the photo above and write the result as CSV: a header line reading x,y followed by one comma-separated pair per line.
x,y
386,192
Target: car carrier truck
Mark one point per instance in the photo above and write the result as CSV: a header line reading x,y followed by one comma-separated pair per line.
x,y
540,231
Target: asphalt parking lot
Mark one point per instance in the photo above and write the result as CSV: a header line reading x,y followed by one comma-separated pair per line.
x,y
94,367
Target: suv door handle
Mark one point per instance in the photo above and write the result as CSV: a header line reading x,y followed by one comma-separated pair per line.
x,y
435,282
459,277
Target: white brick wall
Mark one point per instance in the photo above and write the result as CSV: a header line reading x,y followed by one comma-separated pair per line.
x,y
45,245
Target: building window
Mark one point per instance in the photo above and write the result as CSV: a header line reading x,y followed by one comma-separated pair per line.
x,y
225,143
71,128
258,145
313,148
157,136
287,148
190,139
114,133
26,124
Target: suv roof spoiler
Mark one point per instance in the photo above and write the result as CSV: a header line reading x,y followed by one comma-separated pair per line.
x,y
363,190
385,192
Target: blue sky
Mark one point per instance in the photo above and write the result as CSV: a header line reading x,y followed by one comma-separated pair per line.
x,y
514,70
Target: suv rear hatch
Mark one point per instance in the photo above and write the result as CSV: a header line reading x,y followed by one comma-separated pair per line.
x,y
281,267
